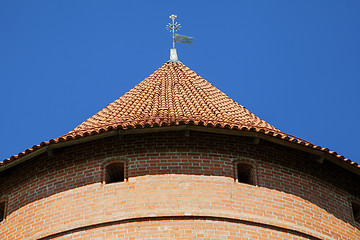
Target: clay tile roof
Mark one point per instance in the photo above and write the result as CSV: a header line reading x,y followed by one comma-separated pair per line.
x,y
172,94
175,95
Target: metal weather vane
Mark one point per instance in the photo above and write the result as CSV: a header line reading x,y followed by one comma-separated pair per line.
x,y
174,26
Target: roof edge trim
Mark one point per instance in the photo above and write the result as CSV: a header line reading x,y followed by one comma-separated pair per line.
x,y
320,153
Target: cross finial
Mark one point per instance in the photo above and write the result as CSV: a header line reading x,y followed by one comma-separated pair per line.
x,y
174,26
173,17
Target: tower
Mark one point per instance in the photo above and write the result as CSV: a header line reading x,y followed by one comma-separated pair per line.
x,y
176,158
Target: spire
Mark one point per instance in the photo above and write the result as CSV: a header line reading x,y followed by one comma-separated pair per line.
x,y
174,26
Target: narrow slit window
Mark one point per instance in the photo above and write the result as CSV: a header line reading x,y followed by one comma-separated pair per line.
x,y
356,212
115,172
245,173
2,211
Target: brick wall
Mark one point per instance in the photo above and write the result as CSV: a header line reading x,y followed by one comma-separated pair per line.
x,y
178,185
183,228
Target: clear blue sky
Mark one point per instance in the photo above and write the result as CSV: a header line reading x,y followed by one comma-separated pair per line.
x,y
295,64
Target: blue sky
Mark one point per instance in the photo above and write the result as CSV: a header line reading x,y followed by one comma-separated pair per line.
x,y
295,64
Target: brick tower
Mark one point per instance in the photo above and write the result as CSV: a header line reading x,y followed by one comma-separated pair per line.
x,y
176,158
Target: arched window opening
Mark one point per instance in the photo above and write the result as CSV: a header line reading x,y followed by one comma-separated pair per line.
x,y
356,212
2,211
245,173
115,172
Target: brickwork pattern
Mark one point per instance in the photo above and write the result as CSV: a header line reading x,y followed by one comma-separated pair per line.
x,y
184,229
171,175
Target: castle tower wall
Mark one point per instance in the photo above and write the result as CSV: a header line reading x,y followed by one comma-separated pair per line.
x,y
178,185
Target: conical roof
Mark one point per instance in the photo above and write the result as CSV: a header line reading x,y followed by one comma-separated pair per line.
x,y
174,94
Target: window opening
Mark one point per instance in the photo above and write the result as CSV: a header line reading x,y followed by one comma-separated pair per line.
x,y
2,211
245,173
115,172
356,212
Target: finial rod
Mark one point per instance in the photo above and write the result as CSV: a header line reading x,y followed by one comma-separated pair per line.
x,y
173,30
174,26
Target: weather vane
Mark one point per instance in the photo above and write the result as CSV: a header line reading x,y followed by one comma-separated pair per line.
x,y
174,26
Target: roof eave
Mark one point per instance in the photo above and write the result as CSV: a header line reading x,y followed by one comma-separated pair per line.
x,y
320,155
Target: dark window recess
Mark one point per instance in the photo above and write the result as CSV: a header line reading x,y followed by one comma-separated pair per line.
x,y
245,173
114,172
356,211
2,211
